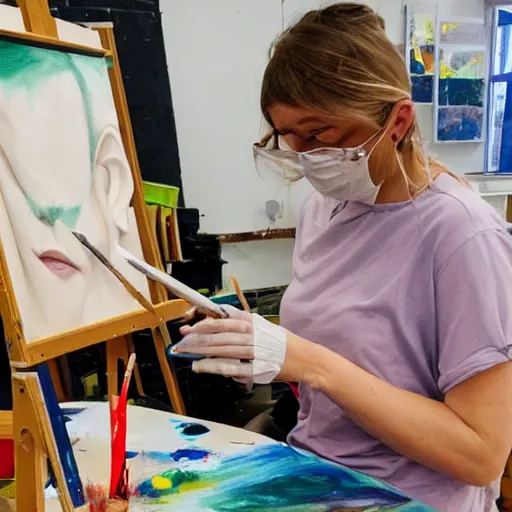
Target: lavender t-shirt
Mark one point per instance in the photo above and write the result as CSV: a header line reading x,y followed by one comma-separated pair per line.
x,y
418,294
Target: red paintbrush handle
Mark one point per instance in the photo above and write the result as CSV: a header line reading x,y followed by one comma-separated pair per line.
x,y
118,486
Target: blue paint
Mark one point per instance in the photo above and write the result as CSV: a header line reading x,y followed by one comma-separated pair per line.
x,y
131,455
463,124
461,92
184,454
182,355
422,78
417,67
422,88
64,448
71,411
190,430
190,454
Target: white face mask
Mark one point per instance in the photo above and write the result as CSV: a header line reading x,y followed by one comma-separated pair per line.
x,y
339,173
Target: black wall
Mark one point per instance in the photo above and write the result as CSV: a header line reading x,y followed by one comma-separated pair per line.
x,y
140,45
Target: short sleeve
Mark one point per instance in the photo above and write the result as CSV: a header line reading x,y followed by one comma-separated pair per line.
x,y
474,308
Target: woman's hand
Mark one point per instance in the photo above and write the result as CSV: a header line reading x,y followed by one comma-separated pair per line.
x,y
244,346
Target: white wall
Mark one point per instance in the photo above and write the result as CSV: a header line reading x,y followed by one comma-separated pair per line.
x,y
216,53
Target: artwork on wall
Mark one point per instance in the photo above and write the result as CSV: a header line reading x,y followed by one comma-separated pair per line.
x,y
420,54
469,32
63,168
461,84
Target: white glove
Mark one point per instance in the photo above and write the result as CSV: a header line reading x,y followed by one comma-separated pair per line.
x,y
245,347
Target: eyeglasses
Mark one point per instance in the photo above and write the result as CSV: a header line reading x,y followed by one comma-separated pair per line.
x,y
271,160
270,139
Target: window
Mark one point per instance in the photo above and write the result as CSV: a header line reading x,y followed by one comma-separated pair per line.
x,y
499,154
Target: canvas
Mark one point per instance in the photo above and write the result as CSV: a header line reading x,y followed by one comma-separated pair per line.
x,y
461,95
63,168
421,54
462,124
178,463
470,32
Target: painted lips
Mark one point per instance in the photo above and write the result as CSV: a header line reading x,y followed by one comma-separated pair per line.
x,y
58,264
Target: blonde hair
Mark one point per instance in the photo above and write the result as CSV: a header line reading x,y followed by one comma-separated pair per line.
x,y
339,59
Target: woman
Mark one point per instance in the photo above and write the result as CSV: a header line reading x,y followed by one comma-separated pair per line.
x,y
398,321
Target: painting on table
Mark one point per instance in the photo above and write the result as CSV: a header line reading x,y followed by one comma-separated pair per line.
x,y
420,54
179,463
63,168
267,478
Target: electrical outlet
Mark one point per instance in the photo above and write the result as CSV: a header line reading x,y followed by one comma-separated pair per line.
x,y
274,210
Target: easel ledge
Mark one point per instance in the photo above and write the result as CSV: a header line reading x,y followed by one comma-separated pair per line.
x,y
52,44
55,346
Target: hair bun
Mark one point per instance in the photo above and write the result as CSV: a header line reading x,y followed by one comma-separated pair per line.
x,y
350,13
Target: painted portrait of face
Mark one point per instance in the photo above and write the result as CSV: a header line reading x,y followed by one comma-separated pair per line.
x,y
62,169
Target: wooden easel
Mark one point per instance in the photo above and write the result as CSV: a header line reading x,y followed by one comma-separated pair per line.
x,y
28,424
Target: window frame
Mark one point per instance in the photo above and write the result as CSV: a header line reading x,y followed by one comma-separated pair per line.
x,y
493,7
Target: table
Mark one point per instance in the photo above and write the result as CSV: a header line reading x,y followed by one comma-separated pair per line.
x,y
183,464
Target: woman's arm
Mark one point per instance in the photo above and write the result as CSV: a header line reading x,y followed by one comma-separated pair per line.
x,y
468,437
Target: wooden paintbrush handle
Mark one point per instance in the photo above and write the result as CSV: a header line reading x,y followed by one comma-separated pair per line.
x,y
240,295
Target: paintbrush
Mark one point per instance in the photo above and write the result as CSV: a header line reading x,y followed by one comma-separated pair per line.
x,y
240,295
198,301
193,297
179,289
118,475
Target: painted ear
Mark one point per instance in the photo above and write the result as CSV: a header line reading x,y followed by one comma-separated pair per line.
x,y
117,182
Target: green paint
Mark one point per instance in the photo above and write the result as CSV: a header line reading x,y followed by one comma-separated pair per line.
x,y
51,214
29,67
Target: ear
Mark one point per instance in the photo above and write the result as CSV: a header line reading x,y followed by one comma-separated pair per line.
x,y
400,121
117,182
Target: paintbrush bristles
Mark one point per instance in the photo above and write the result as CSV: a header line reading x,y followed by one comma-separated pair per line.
x,y
117,506
99,501
130,365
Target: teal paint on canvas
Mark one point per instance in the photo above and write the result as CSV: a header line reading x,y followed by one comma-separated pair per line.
x,y
51,214
28,67
273,478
